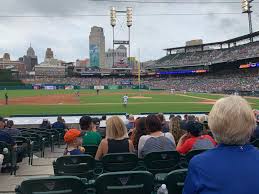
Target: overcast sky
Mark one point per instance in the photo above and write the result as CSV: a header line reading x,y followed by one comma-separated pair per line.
x,y
68,36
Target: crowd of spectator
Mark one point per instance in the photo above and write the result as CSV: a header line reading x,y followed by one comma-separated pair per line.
x,y
211,56
239,80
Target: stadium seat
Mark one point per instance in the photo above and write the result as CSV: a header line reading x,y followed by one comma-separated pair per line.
x,y
175,181
52,185
161,163
29,145
38,141
255,143
193,153
127,182
10,156
119,162
91,150
81,166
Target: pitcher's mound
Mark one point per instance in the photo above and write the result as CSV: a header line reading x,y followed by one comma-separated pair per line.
x,y
140,97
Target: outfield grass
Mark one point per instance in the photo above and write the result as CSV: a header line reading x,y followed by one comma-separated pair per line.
x,y
110,101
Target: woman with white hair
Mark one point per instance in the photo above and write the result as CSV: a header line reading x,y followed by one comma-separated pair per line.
x,y
233,166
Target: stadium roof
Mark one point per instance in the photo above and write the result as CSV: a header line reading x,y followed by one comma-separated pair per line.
x,y
226,42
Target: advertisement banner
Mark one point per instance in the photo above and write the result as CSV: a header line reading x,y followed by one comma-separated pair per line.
x,y
50,87
113,87
99,87
94,56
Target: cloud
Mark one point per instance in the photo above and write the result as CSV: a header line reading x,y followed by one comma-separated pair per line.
x,y
68,36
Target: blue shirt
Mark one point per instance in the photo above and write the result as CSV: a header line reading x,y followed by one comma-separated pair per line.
x,y
73,152
5,137
58,125
224,170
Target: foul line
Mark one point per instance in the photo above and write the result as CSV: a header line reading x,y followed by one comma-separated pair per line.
x,y
196,97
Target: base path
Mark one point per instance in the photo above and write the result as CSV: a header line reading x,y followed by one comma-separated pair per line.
x,y
57,99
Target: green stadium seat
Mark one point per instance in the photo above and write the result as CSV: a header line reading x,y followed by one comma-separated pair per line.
x,y
175,181
38,141
52,185
161,163
81,166
10,157
255,143
127,182
20,141
193,153
119,162
91,150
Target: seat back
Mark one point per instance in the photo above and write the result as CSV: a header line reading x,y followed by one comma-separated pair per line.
x,y
127,182
162,162
255,143
80,166
51,185
119,162
175,181
91,150
193,153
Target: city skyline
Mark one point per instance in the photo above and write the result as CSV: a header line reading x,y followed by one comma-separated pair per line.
x,y
68,36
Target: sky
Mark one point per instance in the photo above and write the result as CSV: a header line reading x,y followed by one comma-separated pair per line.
x,y
155,25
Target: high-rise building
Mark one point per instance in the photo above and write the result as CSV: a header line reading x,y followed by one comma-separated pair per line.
x,y
49,54
97,47
30,59
120,54
15,66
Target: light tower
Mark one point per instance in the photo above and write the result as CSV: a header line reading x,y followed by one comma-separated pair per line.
x,y
128,13
246,8
113,24
129,24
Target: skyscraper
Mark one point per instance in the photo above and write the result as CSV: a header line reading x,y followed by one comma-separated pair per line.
x,y
97,47
49,54
30,59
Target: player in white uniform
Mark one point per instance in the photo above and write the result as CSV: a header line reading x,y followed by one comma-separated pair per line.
x,y
125,100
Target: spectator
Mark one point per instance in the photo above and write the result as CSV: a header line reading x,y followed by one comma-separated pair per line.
x,y
175,129
103,122
59,124
73,139
4,136
91,137
131,124
11,130
165,126
193,139
45,124
232,167
7,138
256,131
171,116
156,140
139,131
96,124
116,140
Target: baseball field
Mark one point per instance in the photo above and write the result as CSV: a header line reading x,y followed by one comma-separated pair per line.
x,y
46,102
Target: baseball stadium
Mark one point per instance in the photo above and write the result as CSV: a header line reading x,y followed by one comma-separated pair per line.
x,y
187,122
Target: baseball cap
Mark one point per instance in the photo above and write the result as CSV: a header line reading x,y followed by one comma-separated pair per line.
x,y
72,134
96,121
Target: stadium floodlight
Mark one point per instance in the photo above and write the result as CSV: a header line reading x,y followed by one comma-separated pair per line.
x,y
129,16
246,8
113,16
